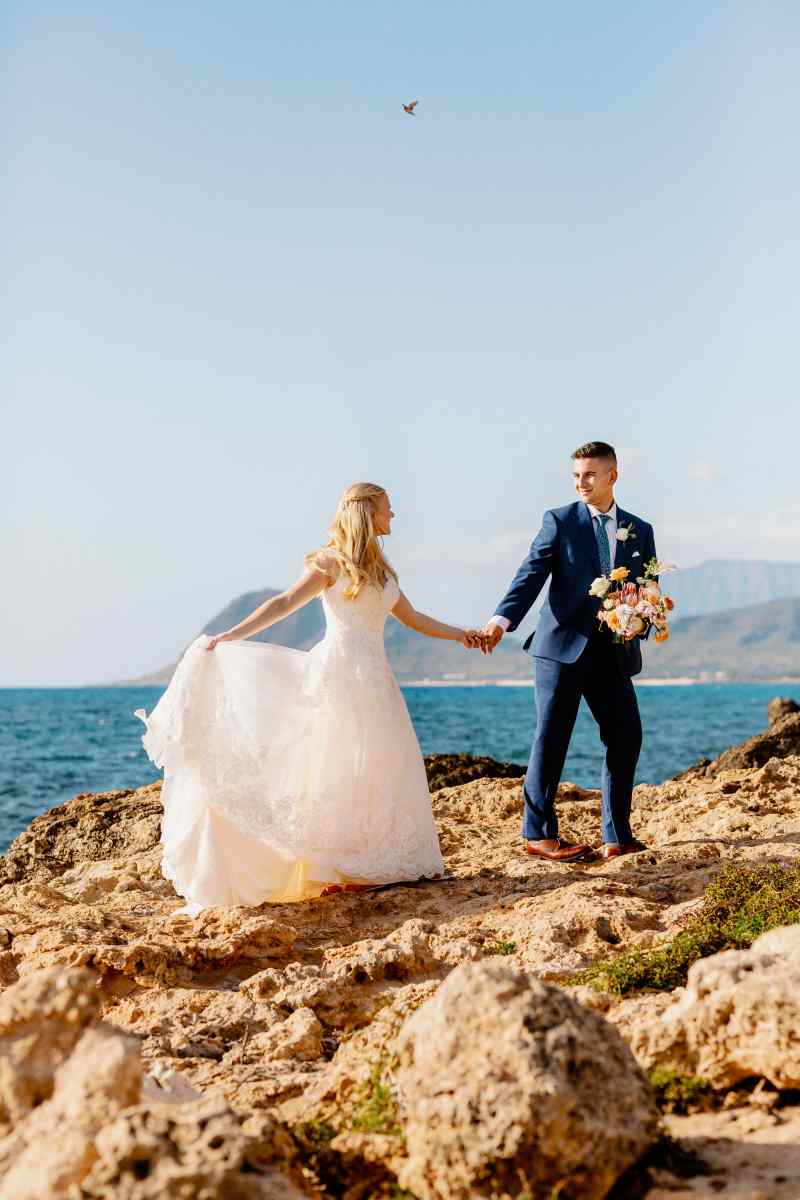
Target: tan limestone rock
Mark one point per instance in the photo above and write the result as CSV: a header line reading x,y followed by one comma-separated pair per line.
x,y
738,1016
42,1018
506,1083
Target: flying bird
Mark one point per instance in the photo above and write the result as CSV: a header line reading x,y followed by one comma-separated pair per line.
x,y
409,108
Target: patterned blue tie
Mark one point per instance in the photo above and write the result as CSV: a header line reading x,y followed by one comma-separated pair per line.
x,y
602,542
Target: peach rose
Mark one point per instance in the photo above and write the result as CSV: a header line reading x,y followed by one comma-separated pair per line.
x,y
619,573
636,626
652,592
612,619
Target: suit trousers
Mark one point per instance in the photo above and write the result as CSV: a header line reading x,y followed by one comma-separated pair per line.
x,y
598,677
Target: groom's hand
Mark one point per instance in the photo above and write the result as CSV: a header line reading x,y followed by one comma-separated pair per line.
x,y
490,637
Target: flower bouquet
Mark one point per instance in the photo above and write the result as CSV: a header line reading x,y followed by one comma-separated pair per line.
x,y
630,609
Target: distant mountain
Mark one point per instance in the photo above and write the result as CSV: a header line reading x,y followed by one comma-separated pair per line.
x,y
411,655
721,584
758,642
745,638
300,631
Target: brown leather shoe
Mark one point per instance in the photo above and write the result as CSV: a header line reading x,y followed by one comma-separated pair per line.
x,y
556,850
615,849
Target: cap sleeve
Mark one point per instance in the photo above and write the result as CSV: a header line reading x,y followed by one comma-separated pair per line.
x,y
327,562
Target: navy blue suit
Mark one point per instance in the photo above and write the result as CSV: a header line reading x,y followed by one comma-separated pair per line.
x,y
574,658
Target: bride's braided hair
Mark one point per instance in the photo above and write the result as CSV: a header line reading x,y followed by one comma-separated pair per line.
x,y
353,542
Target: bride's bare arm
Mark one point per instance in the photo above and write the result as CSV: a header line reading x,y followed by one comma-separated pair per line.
x,y
408,615
309,585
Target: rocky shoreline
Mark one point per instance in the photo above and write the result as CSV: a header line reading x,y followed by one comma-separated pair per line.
x,y
448,1039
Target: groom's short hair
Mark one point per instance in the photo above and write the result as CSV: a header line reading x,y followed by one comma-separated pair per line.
x,y
595,450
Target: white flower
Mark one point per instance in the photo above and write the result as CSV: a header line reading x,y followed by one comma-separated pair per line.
x,y
600,586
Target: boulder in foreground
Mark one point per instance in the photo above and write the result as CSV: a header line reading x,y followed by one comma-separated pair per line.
x,y
509,1086
738,1017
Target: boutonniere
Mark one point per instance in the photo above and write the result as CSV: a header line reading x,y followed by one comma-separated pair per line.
x,y
625,532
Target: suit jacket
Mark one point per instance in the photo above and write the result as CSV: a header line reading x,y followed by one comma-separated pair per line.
x,y
565,552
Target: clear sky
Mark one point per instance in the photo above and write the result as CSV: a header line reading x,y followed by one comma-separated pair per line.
x,y
237,277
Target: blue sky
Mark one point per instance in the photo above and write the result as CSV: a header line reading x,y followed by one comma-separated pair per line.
x,y
238,277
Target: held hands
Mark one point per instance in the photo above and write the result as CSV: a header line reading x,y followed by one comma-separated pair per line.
x,y
484,639
490,637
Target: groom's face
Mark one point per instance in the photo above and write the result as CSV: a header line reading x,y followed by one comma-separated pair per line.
x,y
594,480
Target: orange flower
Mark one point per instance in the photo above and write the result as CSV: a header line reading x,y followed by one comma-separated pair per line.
x,y
669,602
619,573
612,619
662,635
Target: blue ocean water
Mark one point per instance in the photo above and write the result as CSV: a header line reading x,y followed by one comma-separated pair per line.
x,y
57,742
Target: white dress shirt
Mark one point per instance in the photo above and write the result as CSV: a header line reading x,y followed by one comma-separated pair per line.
x,y
611,534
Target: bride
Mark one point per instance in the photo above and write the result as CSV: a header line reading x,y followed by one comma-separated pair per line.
x,y
288,773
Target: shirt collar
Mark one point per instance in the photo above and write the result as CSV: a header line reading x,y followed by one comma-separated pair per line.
x,y
595,512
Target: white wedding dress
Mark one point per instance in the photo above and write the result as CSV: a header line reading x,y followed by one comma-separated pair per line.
x,y
288,770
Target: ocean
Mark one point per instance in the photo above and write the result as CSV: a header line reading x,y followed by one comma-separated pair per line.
x,y
57,742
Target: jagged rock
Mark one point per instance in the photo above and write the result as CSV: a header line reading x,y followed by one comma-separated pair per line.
x,y
781,706
339,991
115,944
54,1147
698,770
103,1132
406,952
86,829
337,1094
42,1018
507,1084
196,1151
203,995
449,770
298,1037
779,741
737,1017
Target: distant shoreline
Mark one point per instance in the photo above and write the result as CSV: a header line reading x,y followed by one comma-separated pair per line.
x,y
676,681
665,681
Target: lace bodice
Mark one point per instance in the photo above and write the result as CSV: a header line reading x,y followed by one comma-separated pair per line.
x,y
366,614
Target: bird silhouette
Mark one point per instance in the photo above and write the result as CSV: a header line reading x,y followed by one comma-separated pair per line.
x,y
409,108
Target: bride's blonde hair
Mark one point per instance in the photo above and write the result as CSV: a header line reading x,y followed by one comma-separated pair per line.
x,y
353,542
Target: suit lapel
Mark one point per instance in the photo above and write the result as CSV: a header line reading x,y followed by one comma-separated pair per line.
x,y
626,549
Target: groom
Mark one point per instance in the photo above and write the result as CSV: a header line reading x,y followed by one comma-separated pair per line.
x,y
575,656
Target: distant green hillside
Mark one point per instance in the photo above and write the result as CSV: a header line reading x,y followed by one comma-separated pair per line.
x,y
411,655
721,584
761,641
